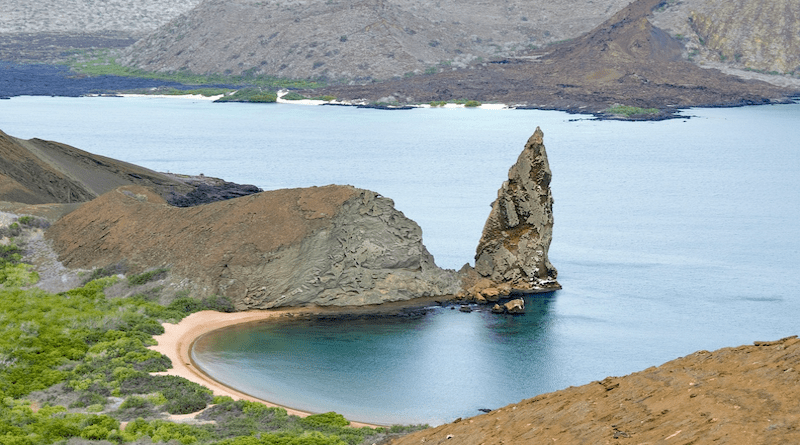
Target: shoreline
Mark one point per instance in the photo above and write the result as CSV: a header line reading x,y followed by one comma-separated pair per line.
x,y
177,340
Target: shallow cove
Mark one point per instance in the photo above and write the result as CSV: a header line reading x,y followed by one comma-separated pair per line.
x,y
670,237
386,369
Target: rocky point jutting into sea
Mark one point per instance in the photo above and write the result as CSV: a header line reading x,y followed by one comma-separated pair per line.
x,y
332,245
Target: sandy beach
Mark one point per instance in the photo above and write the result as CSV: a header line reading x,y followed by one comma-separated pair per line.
x,y
177,339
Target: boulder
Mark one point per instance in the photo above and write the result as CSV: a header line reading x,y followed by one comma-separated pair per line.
x,y
512,251
516,306
497,309
333,245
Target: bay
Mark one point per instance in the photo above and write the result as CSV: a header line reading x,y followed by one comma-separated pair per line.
x,y
670,237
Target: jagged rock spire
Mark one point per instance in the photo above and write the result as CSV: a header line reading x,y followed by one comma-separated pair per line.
x,y
515,240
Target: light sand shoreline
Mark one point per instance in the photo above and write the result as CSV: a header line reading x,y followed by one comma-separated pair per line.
x,y
177,340
307,102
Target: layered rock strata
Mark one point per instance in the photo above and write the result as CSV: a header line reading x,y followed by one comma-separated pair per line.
x,y
333,245
512,252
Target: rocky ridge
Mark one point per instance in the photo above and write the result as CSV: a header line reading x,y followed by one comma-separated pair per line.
x,y
743,395
36,171
333,245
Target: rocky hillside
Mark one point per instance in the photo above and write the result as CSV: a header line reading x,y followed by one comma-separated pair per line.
x,y
744,395
749,34
625,60
36,171
333,245
366,39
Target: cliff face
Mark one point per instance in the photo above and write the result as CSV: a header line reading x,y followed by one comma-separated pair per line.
x,y
515,240
333,245
751,34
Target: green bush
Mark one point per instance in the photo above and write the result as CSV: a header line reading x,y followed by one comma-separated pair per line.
x,y
293,96
472,103
146,277
629,111
256,95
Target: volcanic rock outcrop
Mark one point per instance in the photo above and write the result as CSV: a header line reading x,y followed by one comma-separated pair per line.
x,y
333,245
512,252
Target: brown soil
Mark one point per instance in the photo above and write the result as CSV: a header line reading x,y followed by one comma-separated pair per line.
x,y
742,395
135,225
625,60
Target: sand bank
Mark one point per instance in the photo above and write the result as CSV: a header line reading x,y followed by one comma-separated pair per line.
x,y
177,339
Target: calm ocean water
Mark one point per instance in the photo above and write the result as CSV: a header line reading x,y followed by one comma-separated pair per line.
x,y
670,237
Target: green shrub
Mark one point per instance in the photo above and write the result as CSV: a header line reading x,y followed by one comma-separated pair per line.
x,y
325,420
629,111
472,103
256,95
33,222
107,271
293,96
146,277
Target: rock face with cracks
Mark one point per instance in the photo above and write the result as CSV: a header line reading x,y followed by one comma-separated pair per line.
x,y
333,245
515,240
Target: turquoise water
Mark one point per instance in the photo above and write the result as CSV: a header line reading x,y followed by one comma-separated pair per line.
x,y
670,237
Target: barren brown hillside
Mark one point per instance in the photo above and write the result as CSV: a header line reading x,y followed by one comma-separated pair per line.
x,y
332,245
36,171
744,395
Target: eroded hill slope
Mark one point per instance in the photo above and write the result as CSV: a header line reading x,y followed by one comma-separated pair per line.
x,y
743,395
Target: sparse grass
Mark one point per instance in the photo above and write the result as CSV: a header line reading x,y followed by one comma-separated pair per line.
x,y
629,111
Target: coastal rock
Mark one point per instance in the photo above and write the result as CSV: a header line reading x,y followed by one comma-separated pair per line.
x,y
516,306
333,245
497,309
516,237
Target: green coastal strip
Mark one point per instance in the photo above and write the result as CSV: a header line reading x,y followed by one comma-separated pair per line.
x,y
102,62
77,365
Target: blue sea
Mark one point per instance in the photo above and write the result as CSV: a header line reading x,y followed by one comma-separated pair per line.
x,y
670,237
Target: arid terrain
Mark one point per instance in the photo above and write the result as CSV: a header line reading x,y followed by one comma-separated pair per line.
x,y
743,395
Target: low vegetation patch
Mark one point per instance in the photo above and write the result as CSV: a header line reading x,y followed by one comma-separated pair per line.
x,y
293,96
628,111
256,95
146,277
103,62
